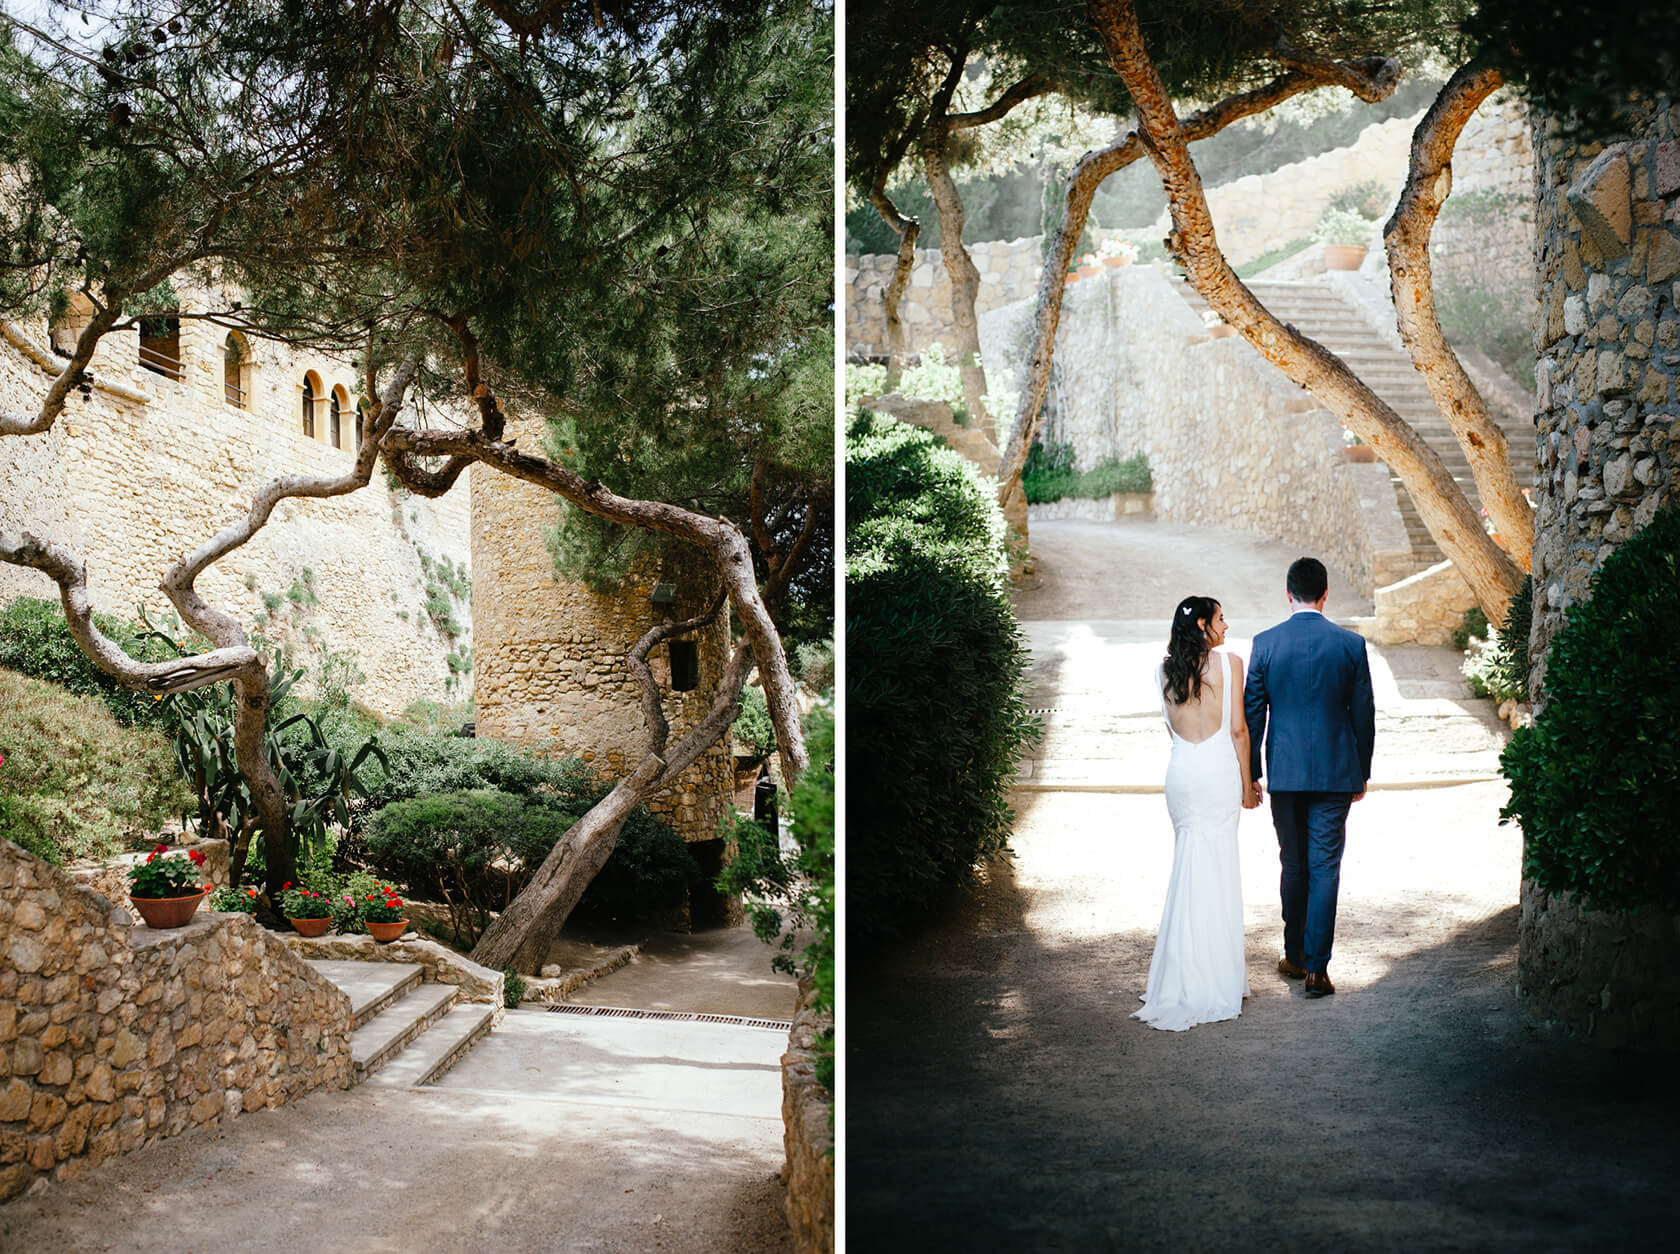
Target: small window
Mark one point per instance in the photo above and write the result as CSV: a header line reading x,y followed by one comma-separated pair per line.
x,y
361,429
311,390
685,665
335,420
160,346
236,371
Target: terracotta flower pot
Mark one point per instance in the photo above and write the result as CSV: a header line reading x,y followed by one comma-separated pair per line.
x,y
1222,330
1343,256
1359,453
1086,272
385,933
1114,263
168,911
310,927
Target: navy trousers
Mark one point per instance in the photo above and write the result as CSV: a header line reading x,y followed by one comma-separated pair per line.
x,y
1311,831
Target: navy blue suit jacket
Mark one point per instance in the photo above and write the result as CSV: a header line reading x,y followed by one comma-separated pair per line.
x,y
1308,698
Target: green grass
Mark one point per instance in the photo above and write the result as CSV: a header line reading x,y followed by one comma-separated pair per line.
x,y
75,782
1265,261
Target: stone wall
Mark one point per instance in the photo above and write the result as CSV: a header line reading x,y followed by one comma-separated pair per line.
x,y
1603,975
147,468
113,1035
550,655
1231,443
1425,608
1009,272
441,964
1608,396
808,1136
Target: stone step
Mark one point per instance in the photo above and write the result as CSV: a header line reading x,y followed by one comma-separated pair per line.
x,y
438,1049
378,1042
371,986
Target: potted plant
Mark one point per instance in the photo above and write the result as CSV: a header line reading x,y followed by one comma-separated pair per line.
x,y
384,915
1117,252
1344,235
165,890
233,901
1090,264
1217,327
306,910
1356,450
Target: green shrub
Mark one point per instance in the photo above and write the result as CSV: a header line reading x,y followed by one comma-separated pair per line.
x,y
1497,667
35,640
1594,781
75,783
931,378
1473,626
934,662
513,988
802,886
755,737
1049,475
476,849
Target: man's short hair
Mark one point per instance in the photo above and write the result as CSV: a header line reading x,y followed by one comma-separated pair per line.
x,y
1307,580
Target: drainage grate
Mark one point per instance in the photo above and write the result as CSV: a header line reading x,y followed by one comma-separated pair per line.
x,y
686,1016
1048,709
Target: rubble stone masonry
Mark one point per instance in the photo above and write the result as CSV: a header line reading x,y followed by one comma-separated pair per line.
x,y
113,1035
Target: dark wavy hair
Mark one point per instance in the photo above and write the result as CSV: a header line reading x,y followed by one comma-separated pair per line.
x,y
1187,648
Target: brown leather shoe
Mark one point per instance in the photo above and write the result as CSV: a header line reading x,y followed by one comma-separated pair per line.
x,y
1318,984
1289,971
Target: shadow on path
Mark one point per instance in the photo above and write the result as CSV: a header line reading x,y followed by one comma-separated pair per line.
x,y
1001,1098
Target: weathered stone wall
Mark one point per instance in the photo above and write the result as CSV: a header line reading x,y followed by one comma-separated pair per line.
x,y
148,468
1231,443
442,965
1009,271
1603,975
1609,345
114,1035
808,1137
1425,608
550,655
1609,394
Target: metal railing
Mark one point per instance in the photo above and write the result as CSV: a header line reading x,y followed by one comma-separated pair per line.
x,y
162,363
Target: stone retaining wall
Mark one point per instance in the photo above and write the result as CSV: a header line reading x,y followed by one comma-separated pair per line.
x,y
1231,443
1101,509
1009,271
807,1115
1603,975
113,1035
1425,608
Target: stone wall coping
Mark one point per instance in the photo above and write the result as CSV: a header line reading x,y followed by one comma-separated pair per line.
x,y
443,965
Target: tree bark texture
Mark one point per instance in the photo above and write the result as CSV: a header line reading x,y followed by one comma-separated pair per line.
x,y
1370,78
959,265
1406,234
1491,574
909,230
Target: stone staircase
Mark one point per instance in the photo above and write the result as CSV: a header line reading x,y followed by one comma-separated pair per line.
x,y
1320,312
405,1033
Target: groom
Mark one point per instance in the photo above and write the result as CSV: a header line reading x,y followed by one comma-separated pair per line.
x,y
1310,680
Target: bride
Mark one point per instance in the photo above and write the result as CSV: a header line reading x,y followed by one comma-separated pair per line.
x,y
1197,974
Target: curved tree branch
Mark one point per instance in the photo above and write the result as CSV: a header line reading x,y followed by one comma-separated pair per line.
x,y
1490,573
1406,234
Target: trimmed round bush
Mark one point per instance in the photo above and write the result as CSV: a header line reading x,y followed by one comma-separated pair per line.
x,y
934,662
1595,782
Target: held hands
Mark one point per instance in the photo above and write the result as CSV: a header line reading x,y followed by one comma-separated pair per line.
x,y
1252,795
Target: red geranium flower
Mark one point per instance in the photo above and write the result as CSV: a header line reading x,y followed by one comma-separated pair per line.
x,y
160,848
197,857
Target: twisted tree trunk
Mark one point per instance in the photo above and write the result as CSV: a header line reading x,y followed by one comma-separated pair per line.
x,y
1492,576
1406,235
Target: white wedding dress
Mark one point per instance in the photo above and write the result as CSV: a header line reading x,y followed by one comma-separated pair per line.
x,y
1198,974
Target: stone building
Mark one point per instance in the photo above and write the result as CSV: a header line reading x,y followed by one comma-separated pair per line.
x,y
1607,460
551,669
185,421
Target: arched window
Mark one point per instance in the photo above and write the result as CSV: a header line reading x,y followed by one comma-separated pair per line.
x,y
685,665
361,427
236,371
336,406
311,390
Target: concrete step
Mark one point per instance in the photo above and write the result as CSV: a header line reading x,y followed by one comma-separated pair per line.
x,y
378,1042
371,986
438,1049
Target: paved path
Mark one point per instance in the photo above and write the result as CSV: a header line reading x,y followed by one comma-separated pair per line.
x,y
557,1132
1001,1098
